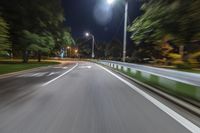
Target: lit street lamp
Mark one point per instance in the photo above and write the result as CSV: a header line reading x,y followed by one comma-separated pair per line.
x,y
92,36
69,49
76,52
125,26
110,1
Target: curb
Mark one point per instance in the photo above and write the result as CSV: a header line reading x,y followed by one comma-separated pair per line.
x,y
189,107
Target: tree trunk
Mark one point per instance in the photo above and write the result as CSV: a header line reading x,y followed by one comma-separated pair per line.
x,y
25,56
39,56
181,52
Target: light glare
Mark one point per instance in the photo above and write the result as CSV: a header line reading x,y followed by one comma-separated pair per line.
x,y
110,1
87,34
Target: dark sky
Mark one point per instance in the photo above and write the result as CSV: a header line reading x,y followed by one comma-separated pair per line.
x,y
103,21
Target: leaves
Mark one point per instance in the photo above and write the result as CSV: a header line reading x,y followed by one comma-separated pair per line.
x,y
35,42
4,35
177,18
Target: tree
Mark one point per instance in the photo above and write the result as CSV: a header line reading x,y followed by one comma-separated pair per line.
x,y
65,39
41,17
84,46
4,35
177,18
36,43
100,50
114,50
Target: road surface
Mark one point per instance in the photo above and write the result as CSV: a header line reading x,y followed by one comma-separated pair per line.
x,y
82,98
185,77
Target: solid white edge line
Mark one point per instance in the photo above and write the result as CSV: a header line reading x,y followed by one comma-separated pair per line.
x,y
60,75
183,121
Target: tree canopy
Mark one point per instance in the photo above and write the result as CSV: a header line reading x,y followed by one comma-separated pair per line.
x,y
160,17
36,25
177,19
4,35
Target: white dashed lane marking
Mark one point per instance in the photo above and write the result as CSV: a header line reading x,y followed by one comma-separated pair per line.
x,y
42,74
60,67
88,67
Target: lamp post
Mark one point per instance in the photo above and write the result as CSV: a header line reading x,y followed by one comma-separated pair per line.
x,y
69,49
110,2
93,41
76,52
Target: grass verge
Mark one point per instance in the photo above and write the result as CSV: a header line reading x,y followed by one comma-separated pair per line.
x,y
9,66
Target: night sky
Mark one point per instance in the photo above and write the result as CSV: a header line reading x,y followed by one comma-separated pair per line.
x,y
96,16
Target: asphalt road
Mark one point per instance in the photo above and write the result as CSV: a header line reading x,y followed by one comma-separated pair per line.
x,y
185,77
82,98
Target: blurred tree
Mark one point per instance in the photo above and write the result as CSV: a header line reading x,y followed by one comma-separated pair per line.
x,y
38,17
178,18
4,35
36,43
100,51
114,50
64,39
85,47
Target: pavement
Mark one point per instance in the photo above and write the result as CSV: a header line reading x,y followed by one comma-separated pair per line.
x,y
185,77
83,97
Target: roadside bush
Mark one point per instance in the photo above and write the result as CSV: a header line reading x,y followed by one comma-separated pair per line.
x,y
4,54
184,66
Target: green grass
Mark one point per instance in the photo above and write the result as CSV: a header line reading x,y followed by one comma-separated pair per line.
x,y
8,66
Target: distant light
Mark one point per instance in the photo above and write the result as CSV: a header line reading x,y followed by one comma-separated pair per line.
x,y
110,1
68,47
87,34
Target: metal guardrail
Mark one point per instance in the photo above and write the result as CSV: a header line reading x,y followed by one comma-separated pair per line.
x,y
167,84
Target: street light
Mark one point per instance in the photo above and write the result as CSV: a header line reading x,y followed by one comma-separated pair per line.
x,y
76,51
87,34
125,27
69,49
110,1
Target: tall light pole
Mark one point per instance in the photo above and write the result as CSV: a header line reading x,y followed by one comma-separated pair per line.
x,y
69,48
125,31
93,41
125,27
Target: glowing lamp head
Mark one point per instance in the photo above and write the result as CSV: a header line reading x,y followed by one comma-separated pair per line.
x,y
87,34
110,1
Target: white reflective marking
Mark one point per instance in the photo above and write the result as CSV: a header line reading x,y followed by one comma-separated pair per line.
x,y
60,67
53,73
39,74
60,75
33,74
57,67
85,67
183,121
